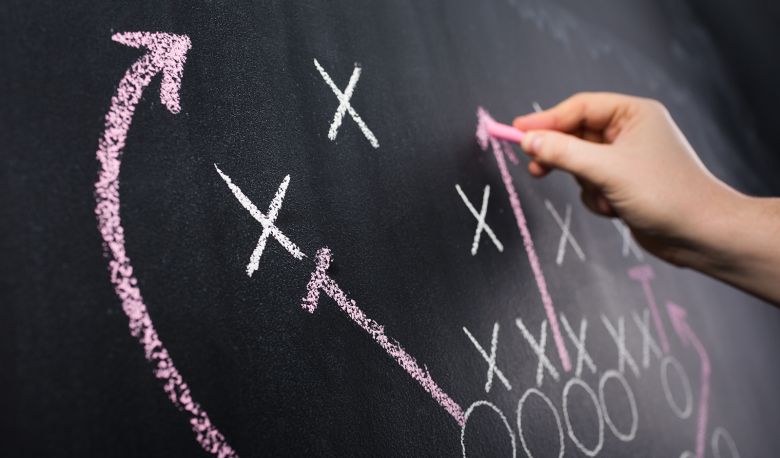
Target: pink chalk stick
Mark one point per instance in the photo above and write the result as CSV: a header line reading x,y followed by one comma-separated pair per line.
x,y
504,132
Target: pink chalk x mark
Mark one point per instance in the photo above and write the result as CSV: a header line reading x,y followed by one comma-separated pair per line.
x,y
643,274
679,318
321,281
484,139
166,54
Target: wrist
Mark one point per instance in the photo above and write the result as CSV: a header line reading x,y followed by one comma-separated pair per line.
x,y
708,239
726,238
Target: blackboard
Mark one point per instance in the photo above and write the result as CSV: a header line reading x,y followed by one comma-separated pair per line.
x,y
249,229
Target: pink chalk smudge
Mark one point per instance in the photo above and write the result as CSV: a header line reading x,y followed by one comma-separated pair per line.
x,y
643,274
679,318
321,281
167,54
484,139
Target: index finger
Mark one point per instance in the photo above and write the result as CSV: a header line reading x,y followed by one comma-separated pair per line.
x,y
591,110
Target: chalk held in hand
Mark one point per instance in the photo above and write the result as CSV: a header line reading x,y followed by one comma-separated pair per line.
x,y
504,132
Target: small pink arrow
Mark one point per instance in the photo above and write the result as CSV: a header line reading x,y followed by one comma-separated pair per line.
x,y
166,53
679,318
643,274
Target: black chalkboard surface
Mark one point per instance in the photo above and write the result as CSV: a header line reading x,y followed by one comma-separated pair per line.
x,y
288,207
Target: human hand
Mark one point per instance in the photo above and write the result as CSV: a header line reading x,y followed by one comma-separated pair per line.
x,y
632,161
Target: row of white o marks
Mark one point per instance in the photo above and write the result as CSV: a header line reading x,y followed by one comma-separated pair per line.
x,y
720,440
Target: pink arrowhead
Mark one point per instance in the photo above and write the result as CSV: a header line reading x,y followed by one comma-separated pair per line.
x,y
643,272
679,318
167,54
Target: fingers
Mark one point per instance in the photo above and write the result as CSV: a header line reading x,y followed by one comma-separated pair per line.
x,y
550,149
596,202
538,170
590,110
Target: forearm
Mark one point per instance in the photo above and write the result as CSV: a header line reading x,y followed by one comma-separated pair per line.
x,y
742,246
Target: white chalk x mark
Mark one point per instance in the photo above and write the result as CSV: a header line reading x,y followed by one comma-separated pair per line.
x,y
539,347
629,245
619,336
566,236
481,224
345,106
491,359
579,343
648,342
267,221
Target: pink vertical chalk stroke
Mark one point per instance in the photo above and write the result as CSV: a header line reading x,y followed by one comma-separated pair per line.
x,y
321,281
643,274
484,139
166,54
679,318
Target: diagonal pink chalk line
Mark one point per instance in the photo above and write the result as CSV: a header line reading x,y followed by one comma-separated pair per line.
x,y
643,274
679,318
321,281
167,54
484,139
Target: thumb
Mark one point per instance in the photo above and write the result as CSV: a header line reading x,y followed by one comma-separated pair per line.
x,y
566,152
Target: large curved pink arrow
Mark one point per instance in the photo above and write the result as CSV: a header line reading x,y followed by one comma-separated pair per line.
x,y
679,318
167,54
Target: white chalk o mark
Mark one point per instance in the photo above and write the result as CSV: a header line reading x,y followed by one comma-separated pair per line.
x,y
596,448
345,105
681,413
687,454
628,241
481,224
266,221
554,411
491,360
539,347
500,414
566,236
720,432
613,374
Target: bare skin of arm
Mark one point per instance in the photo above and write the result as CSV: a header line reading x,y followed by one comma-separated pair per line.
x,y
633,162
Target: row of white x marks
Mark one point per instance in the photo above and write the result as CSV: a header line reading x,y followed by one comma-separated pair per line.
x,y
564,224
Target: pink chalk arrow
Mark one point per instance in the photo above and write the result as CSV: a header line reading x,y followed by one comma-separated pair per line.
x,y
679,318
166,54
501,151
643,274
321,281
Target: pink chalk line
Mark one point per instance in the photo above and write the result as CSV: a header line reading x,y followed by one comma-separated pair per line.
x,y
483,138
321,281
167,54
679,318
643,274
